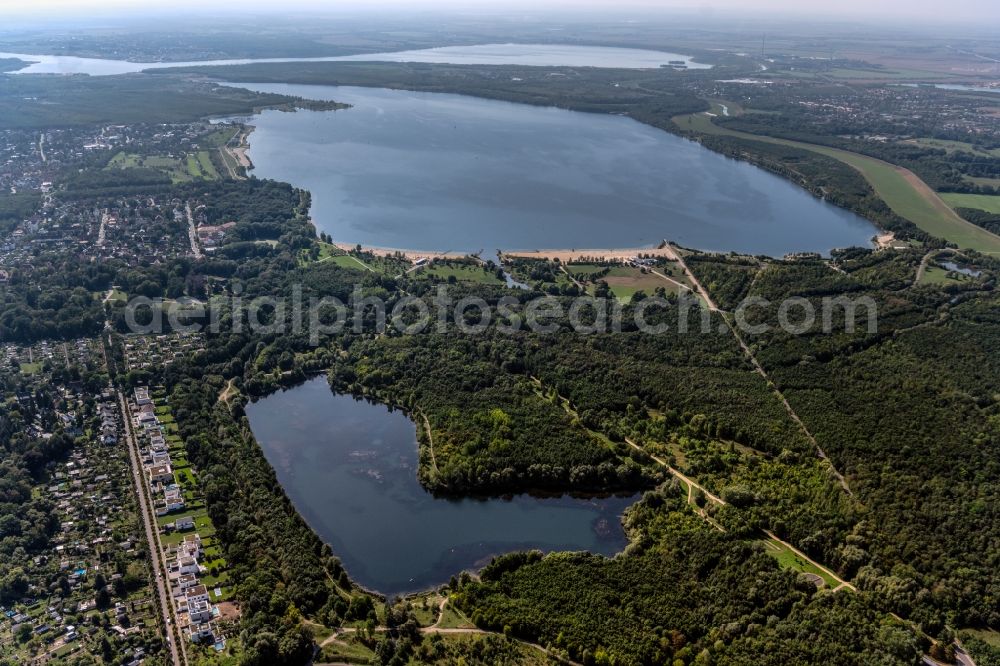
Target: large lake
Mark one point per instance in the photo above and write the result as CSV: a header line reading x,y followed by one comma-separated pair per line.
x,y
550,55
432,171
350,468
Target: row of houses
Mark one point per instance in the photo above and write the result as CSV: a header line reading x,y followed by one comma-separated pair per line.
x,y
157,466
196,615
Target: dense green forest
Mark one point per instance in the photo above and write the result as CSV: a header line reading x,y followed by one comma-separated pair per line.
x,y
491,429
16,207
55,298
588,89
503,410
27,523
11,64
28,102
684,593
908,413
727,278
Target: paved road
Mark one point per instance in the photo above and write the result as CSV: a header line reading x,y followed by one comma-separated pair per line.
x,y
192,232
152,535
103,230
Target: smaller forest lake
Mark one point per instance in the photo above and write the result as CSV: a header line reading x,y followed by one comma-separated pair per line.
x,y
350,468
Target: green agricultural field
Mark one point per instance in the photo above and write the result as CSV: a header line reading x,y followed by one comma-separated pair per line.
x,y
988,182
462,272
173,167
193,168
625,281
584,269
219,137
955,146
906,195
989,203
208,169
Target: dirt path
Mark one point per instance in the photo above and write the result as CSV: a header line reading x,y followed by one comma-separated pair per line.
x,y
763,373
923,267
228,392
669,279
223,152
430,443
841,583
444,602
691,483
572,279
927,260
680,475
700,290
337,638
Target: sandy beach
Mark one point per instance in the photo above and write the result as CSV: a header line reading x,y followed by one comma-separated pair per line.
x,y
605,254
563,255
411,255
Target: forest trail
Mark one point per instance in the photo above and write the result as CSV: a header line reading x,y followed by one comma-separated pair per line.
x,y
430,441
228,392
691,483
762,372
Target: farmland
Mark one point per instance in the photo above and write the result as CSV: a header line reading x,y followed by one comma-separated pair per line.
x,y
906,194
989,203
196,166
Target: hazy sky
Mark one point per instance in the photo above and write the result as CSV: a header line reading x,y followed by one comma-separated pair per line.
x,y
984,11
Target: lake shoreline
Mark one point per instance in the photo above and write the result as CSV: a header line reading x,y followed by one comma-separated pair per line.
x,y
565,255
393,536
666,249
435,173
